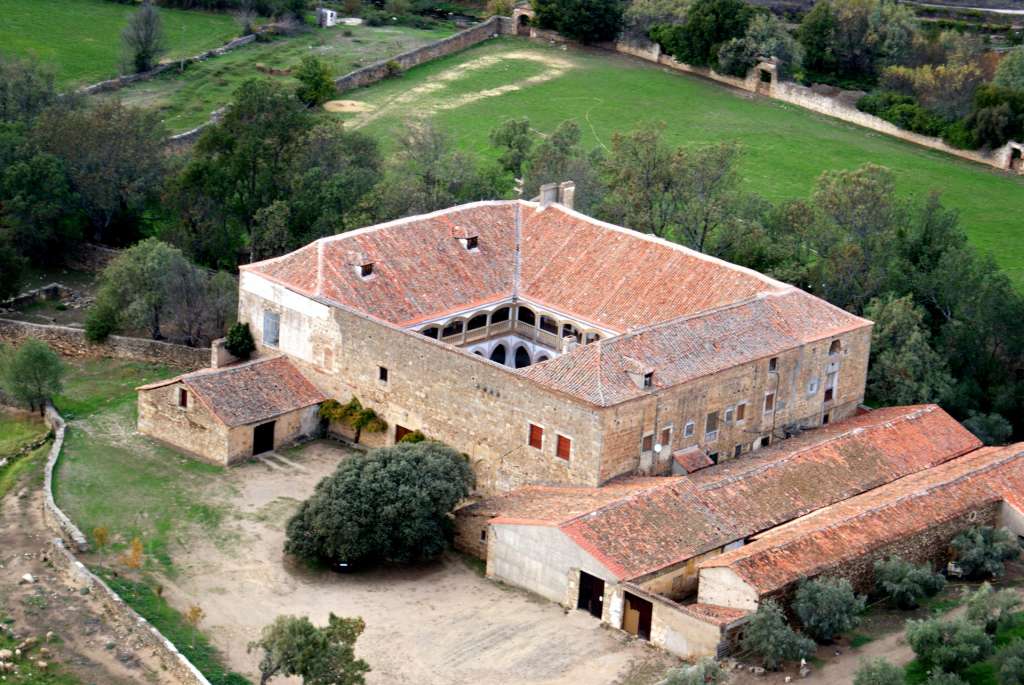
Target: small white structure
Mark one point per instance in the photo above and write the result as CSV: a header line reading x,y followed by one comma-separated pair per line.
x,y
326,18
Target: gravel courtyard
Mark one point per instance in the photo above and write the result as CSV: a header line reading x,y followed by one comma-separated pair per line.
x,y
442,623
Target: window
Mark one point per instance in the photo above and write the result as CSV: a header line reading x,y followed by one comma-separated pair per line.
x,y
431,332
648,443
472,242
548,324
666,437
563,447
825,418
526,315
382,373
830,386
769,403
182,398
478,321
536,436
271,329
730,412
483,535
741,412
688,430
812,387
773,364
835,348
649,379
365,270
711,427
737,450
766,440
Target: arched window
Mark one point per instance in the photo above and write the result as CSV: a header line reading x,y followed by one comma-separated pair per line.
x,y
522,357
591,337
498,354
835,348
548,324
527,316
431,332
453,328
478,321
542,358
500,314
569,329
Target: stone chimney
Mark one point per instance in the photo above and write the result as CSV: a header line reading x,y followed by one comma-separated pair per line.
x,y
567,193
219,355
569,343
548,194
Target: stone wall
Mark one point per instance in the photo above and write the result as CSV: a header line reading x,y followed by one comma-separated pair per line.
x,y
55,517
71,342
407,60
90,257
673,628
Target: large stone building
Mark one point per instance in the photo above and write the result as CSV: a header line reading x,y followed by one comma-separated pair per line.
x,y
554,348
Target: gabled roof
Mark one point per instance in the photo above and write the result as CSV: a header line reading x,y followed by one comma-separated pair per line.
x,y
824,539
249,392
662,522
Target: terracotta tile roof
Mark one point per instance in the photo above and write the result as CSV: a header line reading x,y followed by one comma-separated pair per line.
x,y
692,459
714,614
818,542
687,348
645,529
251,391
692,314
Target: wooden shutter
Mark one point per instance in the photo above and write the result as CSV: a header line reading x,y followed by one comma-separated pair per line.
x,y
564,447
536,436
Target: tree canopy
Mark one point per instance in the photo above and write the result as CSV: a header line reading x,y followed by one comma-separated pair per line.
x,y
293,646
31,373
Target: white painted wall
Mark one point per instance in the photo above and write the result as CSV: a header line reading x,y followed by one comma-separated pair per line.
x,y
296,312
721,586
1012,518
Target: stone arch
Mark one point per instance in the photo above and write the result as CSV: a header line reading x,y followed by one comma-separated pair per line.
x,y
501,314
522,357
526,315
541,358
477,321
498,354
432,332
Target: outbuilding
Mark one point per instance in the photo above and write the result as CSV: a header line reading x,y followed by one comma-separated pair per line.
x,y
226,415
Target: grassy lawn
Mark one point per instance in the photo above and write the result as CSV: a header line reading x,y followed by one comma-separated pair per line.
x,y
186,100
82,38
113,478
785,148
18,429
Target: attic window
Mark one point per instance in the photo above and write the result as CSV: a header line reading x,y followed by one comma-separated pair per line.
x,y
366,270
835,348
183,398
471,242
649,379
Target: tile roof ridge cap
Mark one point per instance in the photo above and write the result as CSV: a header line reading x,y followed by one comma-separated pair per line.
x,y
768,280
635,494
243,364
920,410
406,220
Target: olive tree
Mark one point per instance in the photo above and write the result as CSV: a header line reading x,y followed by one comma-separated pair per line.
x,y
878,672
982,550
992,608
948,645
769,636
827,607
905,584
31,373
293,646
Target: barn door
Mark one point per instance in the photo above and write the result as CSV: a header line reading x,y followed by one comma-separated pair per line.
x,y
591,597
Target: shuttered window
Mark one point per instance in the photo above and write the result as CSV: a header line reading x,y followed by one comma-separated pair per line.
x,y
536,436
271,329
564,447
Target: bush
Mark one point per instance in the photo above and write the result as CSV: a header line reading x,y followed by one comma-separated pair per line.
x,y
982,550
827,607
1010,662
882,101
315,83
770,637
878,672
101,322
948,645
354,415
31,374
393,68
709,24
586,21
706,671
413,437
905,584
991,609
392,504
239,340
941,678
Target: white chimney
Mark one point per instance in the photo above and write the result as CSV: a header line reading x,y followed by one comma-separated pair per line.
x,y
567,193
548,194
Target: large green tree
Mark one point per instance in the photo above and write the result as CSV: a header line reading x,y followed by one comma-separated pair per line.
x,y
586,21
827,607
392,504
709,24
769,636
293,646
1010,72
560,157
948,645
31,373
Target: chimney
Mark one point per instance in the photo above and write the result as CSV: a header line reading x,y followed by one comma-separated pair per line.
x,y
570,343
219,355
567,193
548,194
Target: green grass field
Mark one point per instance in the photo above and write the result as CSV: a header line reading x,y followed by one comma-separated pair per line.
x,y
18,429
81,39
785,148
186,100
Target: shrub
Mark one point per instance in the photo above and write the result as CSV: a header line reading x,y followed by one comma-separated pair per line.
x,y
1010,662
413,437
706,671
239,340
905,584
982,550
770,637
881,101
941,678
31,373
959,135
586,21
315,83
827,607
392,504
708,25
991,609
499,8
392,68
948,645
878,672
101,322
354,415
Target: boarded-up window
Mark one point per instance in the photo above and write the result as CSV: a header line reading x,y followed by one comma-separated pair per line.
x,y
271,329
769,402
666,436
536,436
564,447
741,411
711,426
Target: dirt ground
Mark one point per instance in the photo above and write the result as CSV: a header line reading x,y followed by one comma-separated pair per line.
x,y
87,644
439,624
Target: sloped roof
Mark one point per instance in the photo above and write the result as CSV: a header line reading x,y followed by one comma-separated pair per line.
x,y
669,520
820,541
249,392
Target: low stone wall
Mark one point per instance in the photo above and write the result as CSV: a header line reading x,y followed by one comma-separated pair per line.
x,y
47,293
90,257
71,342
54,515
407,60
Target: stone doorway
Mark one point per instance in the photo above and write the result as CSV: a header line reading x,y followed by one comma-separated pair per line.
x,y
591,598
263,438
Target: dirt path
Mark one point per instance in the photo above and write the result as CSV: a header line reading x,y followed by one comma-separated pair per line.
x,y
441,624
88,644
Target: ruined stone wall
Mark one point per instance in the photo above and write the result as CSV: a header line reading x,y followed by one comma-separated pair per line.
x,y
625,425
192,429
476,406
378,71
71,342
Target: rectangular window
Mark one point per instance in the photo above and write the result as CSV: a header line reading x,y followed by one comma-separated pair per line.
x,y
737,450
563,447
536,436
649,379
271,329
182,398
711,427
773,364
666,437
483,535
769,403
741,412
688,430
730,412
830,386
648,442
382,373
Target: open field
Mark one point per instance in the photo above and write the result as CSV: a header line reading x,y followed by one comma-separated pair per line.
x,y
186,100
213,538
785,147
81,39
18,429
